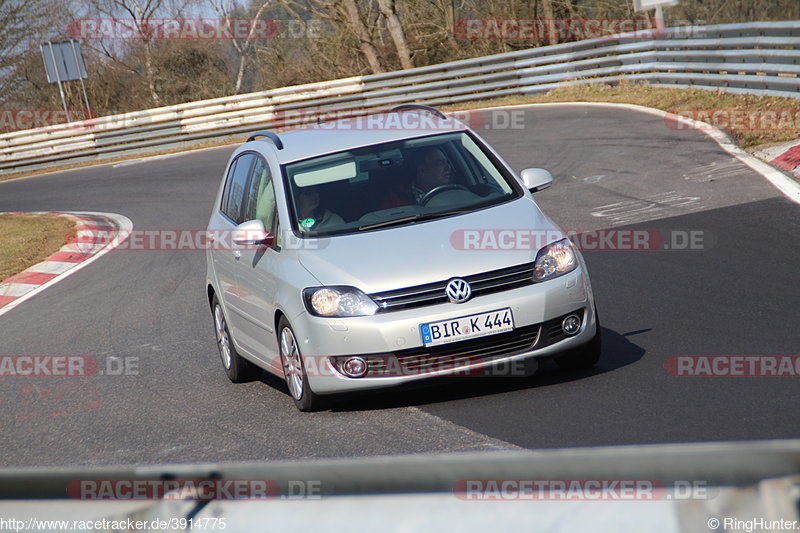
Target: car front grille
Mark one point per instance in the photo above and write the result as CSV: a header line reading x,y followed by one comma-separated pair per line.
x,y
500,280
456,355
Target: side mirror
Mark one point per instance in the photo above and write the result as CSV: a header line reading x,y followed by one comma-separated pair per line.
x,y
536,179
252,233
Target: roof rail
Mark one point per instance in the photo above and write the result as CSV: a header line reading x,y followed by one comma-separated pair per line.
x,y
420,107
271,136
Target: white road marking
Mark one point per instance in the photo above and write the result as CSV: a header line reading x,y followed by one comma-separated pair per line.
x,y
647,208
714,171
594,179
144,160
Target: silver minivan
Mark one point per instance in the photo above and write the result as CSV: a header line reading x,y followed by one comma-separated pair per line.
x,y
365,253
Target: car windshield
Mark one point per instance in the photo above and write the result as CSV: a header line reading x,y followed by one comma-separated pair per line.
x,y
392,184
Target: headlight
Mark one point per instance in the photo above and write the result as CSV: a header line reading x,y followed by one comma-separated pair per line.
x,y
338,301
555,259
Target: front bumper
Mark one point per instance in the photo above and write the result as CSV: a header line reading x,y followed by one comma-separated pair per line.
x,y
392,344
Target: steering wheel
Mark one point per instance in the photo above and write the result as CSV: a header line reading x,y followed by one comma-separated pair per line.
x,y
441,188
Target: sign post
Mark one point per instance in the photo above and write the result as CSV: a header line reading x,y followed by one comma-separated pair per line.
x,y
63,61
658,5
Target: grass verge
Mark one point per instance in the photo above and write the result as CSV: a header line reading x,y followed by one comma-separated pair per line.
x,y
29,239
742,116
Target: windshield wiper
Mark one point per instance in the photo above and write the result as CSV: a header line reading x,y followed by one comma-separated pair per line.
x,y
412,218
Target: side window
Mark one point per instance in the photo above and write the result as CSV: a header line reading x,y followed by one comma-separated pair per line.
x,y
261,195
233,201
228,181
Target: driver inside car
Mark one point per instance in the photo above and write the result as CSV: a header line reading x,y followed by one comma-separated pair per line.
x,y
312,214
431,169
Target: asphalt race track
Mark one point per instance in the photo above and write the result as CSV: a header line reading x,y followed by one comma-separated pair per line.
x,y
613,168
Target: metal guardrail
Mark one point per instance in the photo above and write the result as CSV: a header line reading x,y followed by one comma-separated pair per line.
x,y
714,463
756,58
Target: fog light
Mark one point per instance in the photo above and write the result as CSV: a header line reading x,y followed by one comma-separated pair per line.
x,y
571,325
354,367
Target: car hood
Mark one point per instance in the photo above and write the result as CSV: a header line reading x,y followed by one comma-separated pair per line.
x,y
436,250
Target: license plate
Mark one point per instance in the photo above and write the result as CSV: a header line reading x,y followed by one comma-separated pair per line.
x,y
467,327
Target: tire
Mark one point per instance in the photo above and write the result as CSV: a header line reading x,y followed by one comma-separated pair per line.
x,y
294,371
585,356
237,368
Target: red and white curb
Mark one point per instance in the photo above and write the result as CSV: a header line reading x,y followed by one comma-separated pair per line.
x,y
785,156
96,235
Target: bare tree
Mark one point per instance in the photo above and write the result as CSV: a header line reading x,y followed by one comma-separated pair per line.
x,y
137,17
357,25
225,9
344,14
395,28
22,23
550,15
359,36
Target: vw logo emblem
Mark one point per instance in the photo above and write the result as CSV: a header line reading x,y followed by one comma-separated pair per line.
x,y
458,290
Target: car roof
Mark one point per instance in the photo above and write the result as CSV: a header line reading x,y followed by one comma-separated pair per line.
x,y
346,134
